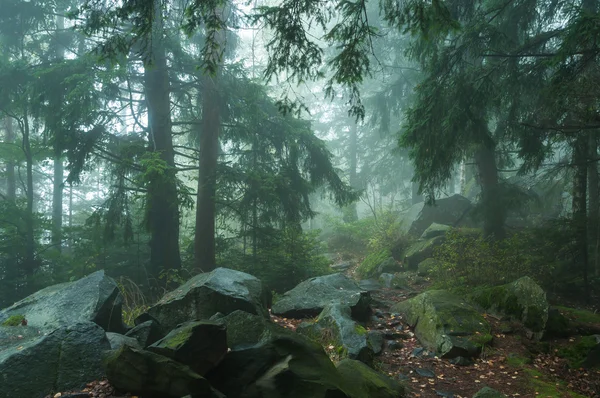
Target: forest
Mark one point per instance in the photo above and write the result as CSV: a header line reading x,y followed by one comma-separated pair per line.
x,y
411,185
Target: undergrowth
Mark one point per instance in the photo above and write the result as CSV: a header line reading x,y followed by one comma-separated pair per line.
x,y
135,301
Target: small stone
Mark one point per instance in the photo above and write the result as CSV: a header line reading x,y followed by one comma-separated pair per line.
x,y
425,373
395,345
461,361
446,394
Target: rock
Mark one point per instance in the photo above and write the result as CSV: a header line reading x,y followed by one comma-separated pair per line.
x,y
368,383
369,285
146,333
434,230
461,361
389,265
425,373
522,300
401,280
310,297
200,345
445,324
335,326
152,375
222,290
426,266
94,298
487,392
117,341
33,363
341,266
386,280
375,340
453,211
421,250
244,330
285,366
395,345
557,324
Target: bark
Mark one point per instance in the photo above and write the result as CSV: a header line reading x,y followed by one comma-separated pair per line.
x,y
11,180
350,213
494,212
57,184
579,206
594,201
30,262
162,205
204,240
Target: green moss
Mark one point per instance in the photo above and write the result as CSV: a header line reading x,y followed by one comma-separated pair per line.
x,y
580,315
360,330
576,353
534,319
178,339
482,339
368,267
517,361
13,320
548,389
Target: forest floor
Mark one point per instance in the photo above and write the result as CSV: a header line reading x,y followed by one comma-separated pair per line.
x,y
512,364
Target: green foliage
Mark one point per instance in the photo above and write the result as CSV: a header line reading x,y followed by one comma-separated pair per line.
x,y
466,260
285,259
13,320
134,300
576,352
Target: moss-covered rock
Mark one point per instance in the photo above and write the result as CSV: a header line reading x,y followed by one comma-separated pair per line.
x,y
289,366
365,382
427,266
199,345
335,326
222,290
421,250
434,230
557,324
152,375
310,297
522,300
446,324
581,352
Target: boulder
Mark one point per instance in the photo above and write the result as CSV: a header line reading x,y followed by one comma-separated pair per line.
x,y
335,326
385,280
222,290
365,382
522,300
285,366
146,333
426,266
310,297
245,330
487,392
445,324
434,230
152,375
33,363
421,250
200,345
94,298
389,265
117,341
453,211
341,266
592,359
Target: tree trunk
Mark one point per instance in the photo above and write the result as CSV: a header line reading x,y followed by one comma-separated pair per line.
x,y
594,201
204,242
163,206
29,263
11,180
494,212
350,212
579,206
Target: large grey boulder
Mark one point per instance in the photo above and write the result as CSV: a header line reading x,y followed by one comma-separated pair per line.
x,y
522,300
146,333
200,345
33,363
222,290
335,326
453,211
117,341
421,250
152,375
445,324
94,298
365,382
310,297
